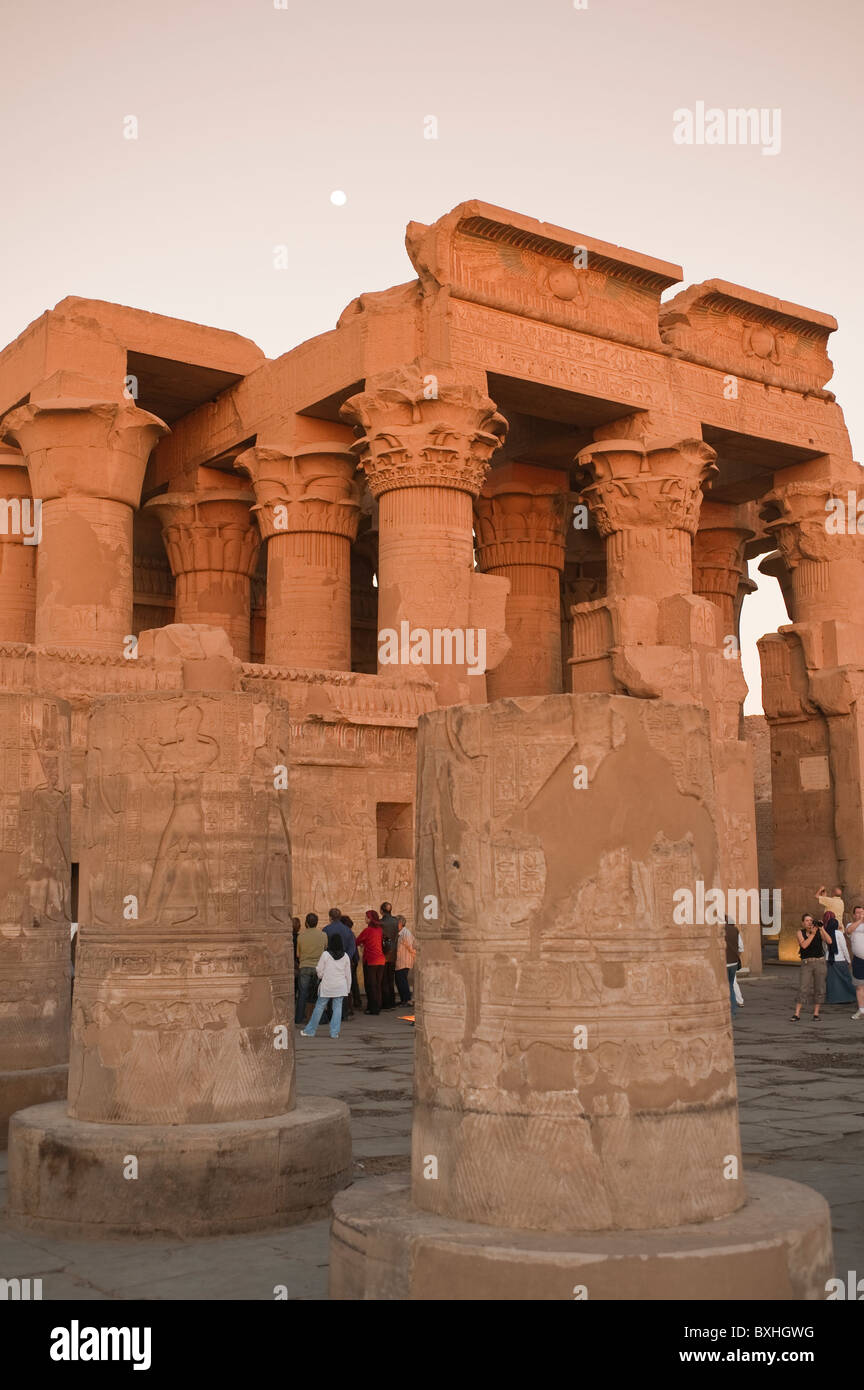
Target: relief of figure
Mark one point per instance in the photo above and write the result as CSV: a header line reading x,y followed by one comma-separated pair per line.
x,y
50,872
275,886
179,883
320,863
105,797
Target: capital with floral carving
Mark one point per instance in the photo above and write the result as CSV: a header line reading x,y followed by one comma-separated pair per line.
x,y
809,521
632,486
210,530
86,448
719,566
309,487
521,517
424,429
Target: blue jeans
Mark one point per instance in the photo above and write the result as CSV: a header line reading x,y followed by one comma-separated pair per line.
x,y
335,1019
731,971
306,986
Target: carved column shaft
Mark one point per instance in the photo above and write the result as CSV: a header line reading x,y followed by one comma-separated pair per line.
x,y
185,961
560,1080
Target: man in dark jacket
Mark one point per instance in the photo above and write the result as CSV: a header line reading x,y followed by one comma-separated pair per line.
x,y
390,932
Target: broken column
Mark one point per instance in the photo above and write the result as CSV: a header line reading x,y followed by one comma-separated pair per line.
x,y
182,1059
575,1125
35,879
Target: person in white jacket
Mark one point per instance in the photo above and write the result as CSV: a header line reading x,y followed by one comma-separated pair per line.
x,y
334,972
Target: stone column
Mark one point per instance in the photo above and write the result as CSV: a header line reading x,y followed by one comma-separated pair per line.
x,y
521,521
826,564
20,528
35,880
182,1034
645,497
813,687
425,446
307,505
575,1123
719,566
720,576
212,545
86,461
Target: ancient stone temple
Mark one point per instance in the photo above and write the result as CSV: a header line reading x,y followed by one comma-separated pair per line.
x,y
517,476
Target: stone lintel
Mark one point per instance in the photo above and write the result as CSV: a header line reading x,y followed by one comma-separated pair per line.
x,y
750,334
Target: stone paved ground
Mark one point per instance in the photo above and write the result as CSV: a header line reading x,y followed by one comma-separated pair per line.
x,y
802,1116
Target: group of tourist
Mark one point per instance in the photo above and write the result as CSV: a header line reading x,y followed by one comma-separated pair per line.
x,y
832,957
326,972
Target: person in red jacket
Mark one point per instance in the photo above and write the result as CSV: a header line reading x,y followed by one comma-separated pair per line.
x,y
371,943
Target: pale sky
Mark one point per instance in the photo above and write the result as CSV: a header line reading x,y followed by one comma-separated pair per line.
x,y
250,116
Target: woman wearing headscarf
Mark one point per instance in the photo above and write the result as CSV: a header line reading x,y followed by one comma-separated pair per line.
x,y
334,973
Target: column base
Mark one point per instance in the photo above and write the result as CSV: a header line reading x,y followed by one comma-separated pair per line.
x,y
33,1086
777,1246
67,1177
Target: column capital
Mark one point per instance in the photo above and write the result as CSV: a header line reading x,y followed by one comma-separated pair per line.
x,y
424,429
521,517
305,488
810,521
719,567
86,448
210,530
636,485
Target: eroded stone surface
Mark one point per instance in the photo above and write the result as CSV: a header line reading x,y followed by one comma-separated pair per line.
x,y
184,969
574,1054
34,898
